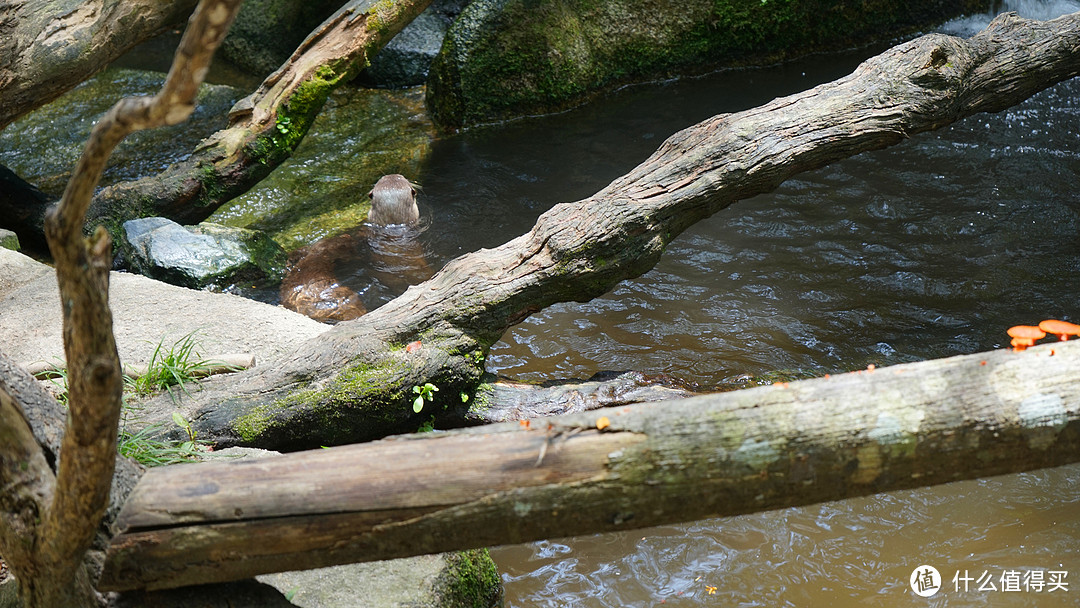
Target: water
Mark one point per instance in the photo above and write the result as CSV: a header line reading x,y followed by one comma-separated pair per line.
x,y
925,250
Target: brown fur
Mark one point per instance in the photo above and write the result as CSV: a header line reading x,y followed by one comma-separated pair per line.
x,y
393,201
310,286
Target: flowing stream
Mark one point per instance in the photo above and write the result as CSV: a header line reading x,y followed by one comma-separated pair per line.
x,y
928,249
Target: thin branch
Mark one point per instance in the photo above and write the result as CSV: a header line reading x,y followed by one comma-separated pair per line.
x,y
88,451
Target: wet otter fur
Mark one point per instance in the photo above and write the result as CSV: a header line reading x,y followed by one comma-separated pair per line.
x,y
393,201
311,286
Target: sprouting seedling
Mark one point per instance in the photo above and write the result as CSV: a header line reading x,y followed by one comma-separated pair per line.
x,y
424,393
182,422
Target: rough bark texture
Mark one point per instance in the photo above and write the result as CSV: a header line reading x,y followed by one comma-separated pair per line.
x,y
49,46
49,523
764,448
265,127
357,379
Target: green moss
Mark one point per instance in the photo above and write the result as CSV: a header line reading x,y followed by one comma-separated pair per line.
x,y
516,57
252,425
482,398
471,581
212,189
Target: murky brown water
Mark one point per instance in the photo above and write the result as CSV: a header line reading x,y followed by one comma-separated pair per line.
x,y
925,250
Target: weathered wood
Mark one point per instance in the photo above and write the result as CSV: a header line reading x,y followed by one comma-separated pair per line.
x,y
47,554
357,377
265,127
744,451
49,46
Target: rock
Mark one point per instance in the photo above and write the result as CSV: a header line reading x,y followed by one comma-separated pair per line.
x,y
446,580
405,61
507,58
266,32
9,240
145,313
201,256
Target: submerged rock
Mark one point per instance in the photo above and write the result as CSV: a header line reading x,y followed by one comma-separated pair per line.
x,y
507,58
201,256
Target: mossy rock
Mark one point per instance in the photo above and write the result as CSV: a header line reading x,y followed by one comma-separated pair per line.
x,y
266,32
508,58
9,240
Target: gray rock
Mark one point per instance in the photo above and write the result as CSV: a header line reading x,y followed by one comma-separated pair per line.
x,y
405,61
266,32
201,256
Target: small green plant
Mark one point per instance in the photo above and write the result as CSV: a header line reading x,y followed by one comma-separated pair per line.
x,y
427,427
424,393
464,397
177,365
59,379
143,445
149,451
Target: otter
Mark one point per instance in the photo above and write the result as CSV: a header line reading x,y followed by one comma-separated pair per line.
x,y
393,201
391,258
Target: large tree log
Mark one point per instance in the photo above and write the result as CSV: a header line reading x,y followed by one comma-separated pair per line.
x,y
357,379
48,522
745,451
49,46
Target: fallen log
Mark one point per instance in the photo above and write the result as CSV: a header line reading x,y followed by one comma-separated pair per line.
x,y
355,382
47,48
613,469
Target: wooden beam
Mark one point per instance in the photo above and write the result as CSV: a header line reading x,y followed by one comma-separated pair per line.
x,y
752,450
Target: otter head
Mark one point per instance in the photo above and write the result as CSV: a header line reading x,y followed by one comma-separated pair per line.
x,y
393,201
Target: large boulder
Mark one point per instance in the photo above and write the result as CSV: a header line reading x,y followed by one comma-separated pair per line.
x,y
201,256
507,58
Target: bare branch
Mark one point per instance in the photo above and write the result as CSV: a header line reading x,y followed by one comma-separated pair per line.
x,y
49,546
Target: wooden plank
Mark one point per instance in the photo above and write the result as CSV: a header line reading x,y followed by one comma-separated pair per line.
x,y
392,474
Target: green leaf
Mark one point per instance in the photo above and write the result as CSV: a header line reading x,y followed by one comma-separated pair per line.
x,y
418,404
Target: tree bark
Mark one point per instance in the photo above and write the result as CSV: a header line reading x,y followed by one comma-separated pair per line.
x,y
745,451
355,382
49,46
265,127
49,522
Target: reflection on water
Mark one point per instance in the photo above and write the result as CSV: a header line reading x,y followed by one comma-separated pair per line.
x,y
925,250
